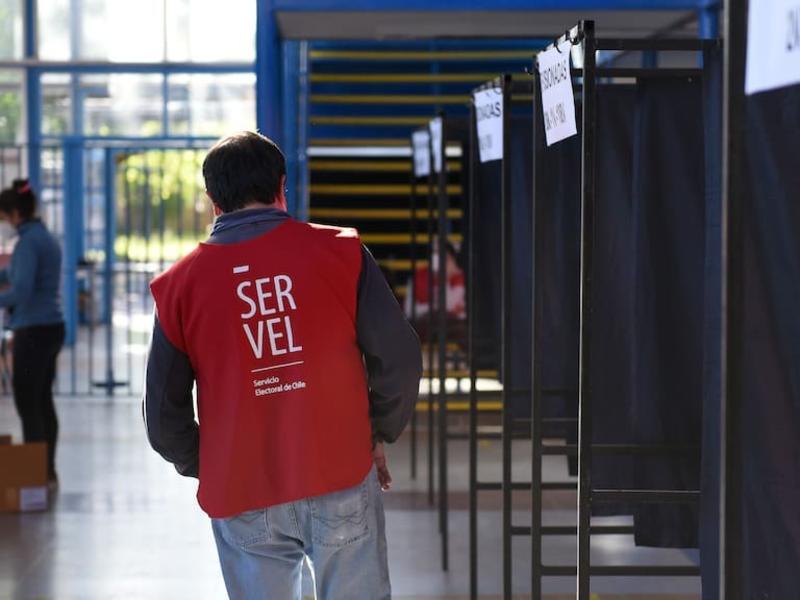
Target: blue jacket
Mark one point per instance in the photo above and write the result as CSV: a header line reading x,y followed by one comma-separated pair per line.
x,y
34,275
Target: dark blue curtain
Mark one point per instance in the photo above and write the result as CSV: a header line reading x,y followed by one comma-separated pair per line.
x,y
771,361
521,265
488,268
669,207
486,311
613,290
558,294
649,251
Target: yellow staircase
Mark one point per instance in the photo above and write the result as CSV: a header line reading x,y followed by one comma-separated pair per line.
x,y
364,104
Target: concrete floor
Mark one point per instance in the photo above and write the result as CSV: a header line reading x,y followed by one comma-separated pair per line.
x,y
126,526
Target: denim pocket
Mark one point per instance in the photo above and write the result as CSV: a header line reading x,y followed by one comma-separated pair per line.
x,y
340,518
246,529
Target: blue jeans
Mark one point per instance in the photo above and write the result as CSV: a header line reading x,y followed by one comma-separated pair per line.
x,y
343,534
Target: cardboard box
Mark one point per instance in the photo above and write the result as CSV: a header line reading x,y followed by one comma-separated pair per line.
x,y
23,476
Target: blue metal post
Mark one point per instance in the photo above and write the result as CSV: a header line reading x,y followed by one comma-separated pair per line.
x,y
707,24
291,64
110,227
302,133
268,71
110,217
165,106
708,21
33,97
72,213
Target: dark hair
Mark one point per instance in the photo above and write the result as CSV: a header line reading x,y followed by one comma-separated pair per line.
x,y
19,197
243,168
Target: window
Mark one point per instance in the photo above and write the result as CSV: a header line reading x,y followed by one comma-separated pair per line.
x,y
213,105
56,104
53,21
11,34
146,30
101,30
202,31
132,103
10,107
122,104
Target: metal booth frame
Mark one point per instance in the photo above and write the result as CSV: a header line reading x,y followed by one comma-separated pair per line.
x,y
584,33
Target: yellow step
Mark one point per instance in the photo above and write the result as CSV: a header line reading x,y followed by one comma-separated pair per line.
x,y
404,99
424,99
388,214
400,264
387,142
403,238
463,373
461,405
371,121
375,189
415,55
381,166
451,347
476,78
362,142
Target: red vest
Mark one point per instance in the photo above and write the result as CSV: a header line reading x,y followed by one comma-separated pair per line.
x,y
269,326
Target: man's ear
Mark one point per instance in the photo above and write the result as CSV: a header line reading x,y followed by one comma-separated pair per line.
x,y
217,209
280,199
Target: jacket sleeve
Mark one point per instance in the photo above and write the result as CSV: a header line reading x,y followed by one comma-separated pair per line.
x,y
391,353
23,278
168,405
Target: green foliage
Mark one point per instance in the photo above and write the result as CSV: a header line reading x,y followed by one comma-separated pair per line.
x,y
162,211
54,118
10,115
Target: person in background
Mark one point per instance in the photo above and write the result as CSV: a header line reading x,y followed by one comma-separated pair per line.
x,y
305,365
455,295
32,293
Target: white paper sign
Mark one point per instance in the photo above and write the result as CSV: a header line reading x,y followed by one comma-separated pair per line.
x,y
489,123
436,144
421,143
558,103
773,45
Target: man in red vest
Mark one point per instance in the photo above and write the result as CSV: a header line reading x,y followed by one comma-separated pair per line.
x,y
304,365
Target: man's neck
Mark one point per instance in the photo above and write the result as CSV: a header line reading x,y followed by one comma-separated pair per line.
x,y
256,206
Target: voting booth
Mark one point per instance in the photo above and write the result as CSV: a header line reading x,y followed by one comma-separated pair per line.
x,y
611,241
750,532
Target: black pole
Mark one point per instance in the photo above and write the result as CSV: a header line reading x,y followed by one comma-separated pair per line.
x,y
733,166
162,214
128,276
536,392
442,345
89,311
473,396
429,336
108,274
411,289
505,354
584,382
